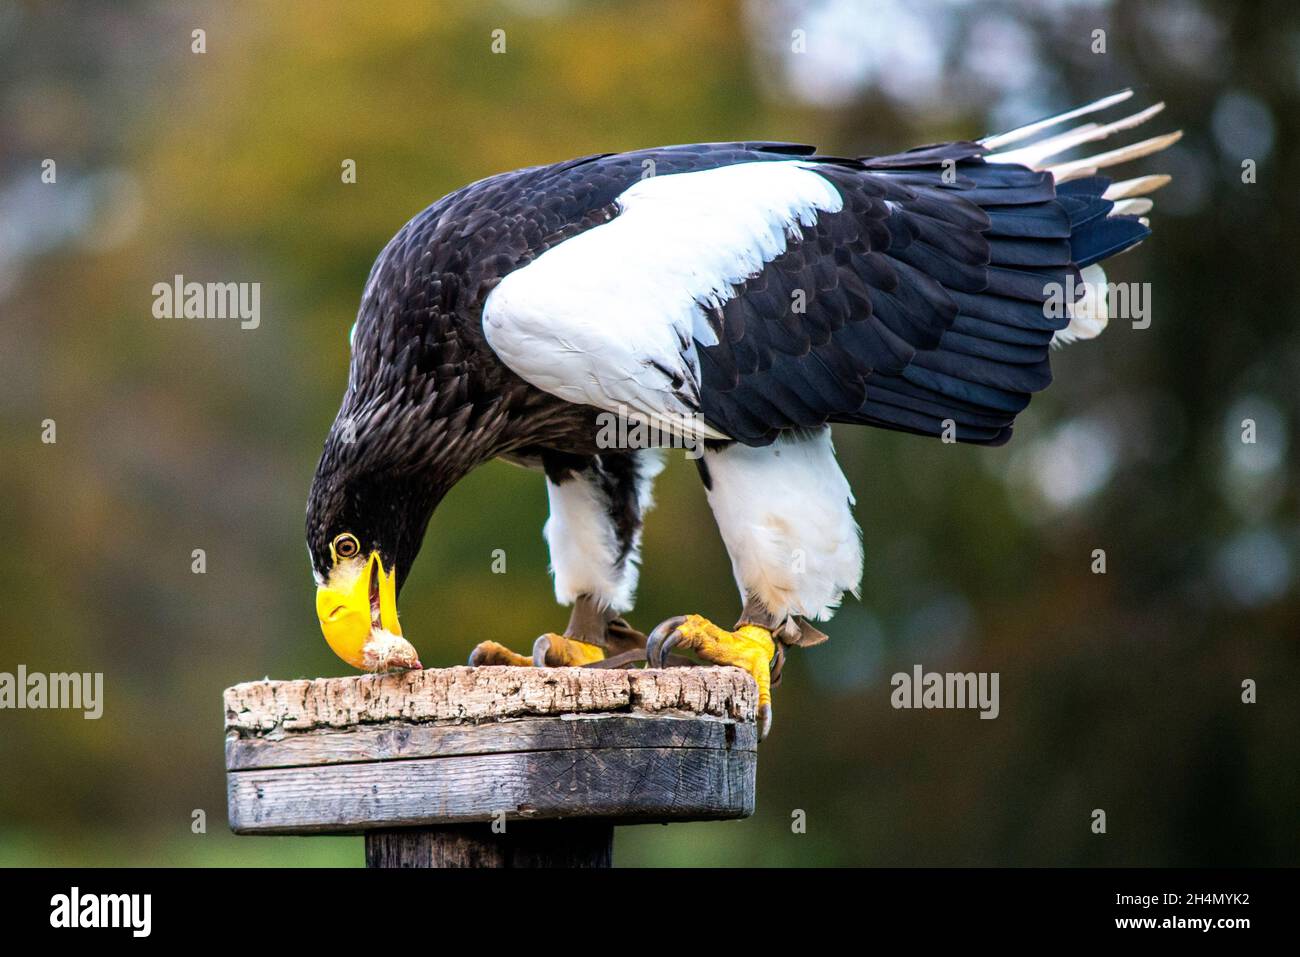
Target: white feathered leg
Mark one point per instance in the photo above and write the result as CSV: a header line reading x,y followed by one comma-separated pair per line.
x,y
785,513
594,534
594,531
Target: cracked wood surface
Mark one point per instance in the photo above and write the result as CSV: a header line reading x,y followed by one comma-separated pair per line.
x,y
482,694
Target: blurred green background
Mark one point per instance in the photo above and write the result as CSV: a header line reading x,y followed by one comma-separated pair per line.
x,y
1119,691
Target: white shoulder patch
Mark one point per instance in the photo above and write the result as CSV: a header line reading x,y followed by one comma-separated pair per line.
x,y
609,317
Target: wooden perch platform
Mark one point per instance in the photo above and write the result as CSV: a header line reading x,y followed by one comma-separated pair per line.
x,y
432,765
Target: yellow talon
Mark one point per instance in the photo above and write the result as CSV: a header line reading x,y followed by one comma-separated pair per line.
x,y
749,647
550,651
556,651
494,653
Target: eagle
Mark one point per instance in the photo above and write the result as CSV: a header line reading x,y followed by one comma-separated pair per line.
x,y
732,299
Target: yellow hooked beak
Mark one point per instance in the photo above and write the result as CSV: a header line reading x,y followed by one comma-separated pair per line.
x,y
359,600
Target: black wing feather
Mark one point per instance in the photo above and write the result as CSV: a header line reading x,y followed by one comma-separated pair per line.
x,y
924,300
920,301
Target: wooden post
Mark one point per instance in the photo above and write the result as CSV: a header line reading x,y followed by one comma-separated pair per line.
x,y
527,844
490,767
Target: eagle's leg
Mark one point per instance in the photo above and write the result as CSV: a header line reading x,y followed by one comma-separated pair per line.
x,y
594,534
593,634
784,511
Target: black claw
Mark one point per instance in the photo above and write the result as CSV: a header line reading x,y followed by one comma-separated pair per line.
x,y
778,664
663,640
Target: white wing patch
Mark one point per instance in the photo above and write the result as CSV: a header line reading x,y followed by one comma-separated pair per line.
x,y
609,317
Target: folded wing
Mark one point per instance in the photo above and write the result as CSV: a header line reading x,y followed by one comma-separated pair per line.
x,y
757,288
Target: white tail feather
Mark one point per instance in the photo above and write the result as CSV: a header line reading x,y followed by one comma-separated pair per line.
x,y
1064,172
1140,186
1088,314
1034,154
1132,207
1024,132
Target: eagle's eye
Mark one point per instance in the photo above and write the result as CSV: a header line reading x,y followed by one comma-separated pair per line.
x,y
346,546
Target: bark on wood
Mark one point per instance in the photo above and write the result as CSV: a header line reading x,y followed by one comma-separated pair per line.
x,y
481,694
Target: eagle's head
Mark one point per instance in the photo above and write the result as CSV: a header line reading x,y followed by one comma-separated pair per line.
x,y
366,517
